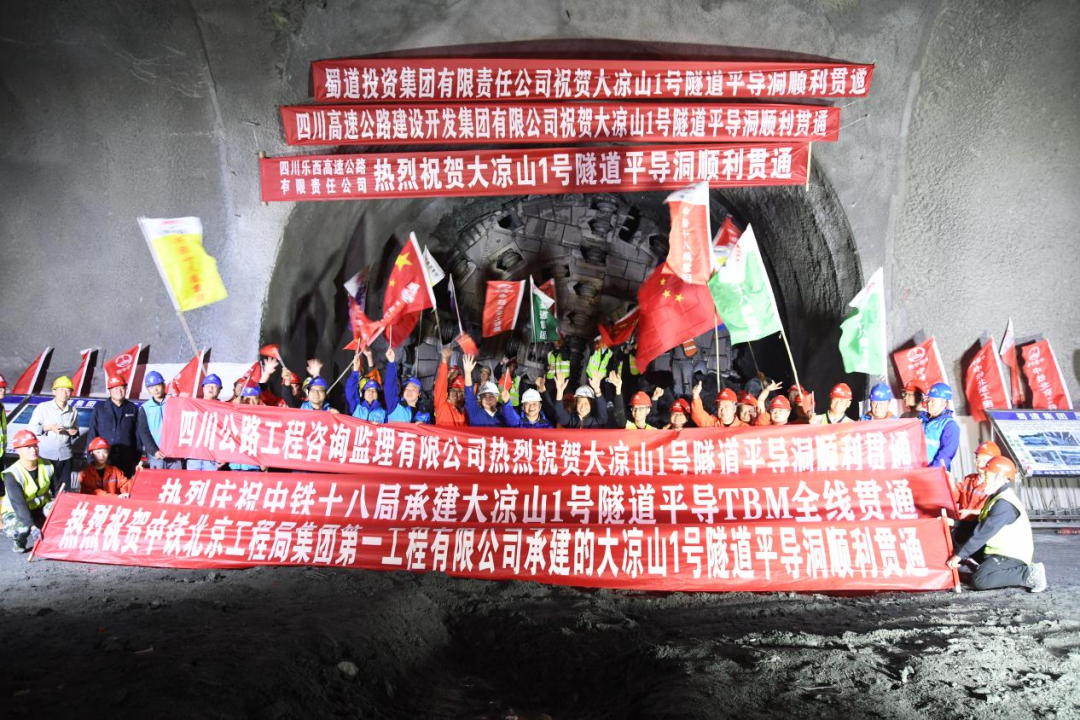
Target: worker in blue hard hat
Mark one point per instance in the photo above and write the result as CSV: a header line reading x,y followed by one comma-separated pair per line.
x,y
211,390
316,396
402,409
940,428
151,415
250,395
881,399
369,408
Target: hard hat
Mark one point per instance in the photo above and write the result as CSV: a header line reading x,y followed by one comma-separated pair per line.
x,y
251,391
371,385
841,392
531,395
640,399
796,390
746,398
988,448
727,394
415,381
881,393
116,381
458,383
489,388
680,406
3,382
24,438
1001,466
779,403
211,379
98,443
317,382
915,386
584,391
154,378
940,391
63,382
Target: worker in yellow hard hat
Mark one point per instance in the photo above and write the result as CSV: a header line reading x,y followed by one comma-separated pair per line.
x,y
56,424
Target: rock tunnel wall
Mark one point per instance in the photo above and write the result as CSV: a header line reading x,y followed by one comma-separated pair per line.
x,y
958,173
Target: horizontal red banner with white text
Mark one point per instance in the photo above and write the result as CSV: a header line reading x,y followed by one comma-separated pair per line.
x,y
492,79
555,122
336,443
516,171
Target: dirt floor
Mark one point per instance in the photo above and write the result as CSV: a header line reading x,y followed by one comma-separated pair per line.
x,y
99,641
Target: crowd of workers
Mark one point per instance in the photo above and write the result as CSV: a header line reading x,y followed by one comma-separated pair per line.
x,y
992,532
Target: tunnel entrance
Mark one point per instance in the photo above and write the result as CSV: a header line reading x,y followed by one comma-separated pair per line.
x,y
597,248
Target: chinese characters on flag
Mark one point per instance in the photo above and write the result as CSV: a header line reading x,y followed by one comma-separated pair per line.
x,y
1048,388
984,385
501,305
689,252
921,363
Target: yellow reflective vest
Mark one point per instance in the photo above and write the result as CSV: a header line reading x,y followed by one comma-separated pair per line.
x,y
1014,540
35,487
558,363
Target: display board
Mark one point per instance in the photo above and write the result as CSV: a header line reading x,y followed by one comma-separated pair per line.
x,y
1044,443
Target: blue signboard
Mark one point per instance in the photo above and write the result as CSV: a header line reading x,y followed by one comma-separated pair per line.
x,y
1043,442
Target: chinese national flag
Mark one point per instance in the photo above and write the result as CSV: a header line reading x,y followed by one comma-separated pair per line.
x,y
364,329
671,312
620,331
186,383
501,306
408,292
689,247
30,381
123,365
984,385
922,363
1048,389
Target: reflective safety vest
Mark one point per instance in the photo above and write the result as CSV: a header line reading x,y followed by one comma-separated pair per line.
x,y
632,360
35,487
1014,540
515,392
558,363
598,362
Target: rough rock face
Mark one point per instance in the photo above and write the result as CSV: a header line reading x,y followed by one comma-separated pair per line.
x,y
958,173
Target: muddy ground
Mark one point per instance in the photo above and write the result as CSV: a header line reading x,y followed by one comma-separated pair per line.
x,y
98,641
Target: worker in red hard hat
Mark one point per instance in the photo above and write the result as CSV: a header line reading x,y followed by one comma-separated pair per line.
x,y
802,405
100,478
449,393
839,402
778,410
1002,543
27,491
117,422
640,407
970,493
726,401
678,414
746,409
914,397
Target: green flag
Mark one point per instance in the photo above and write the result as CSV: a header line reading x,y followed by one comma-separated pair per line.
x,y
862,334
545,326
742,293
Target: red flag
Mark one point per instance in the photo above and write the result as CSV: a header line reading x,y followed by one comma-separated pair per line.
x,y
922,363
408,292
689,252
364,329
1048,388
79,379
273,350
1008,356
467,344
726,237
123,365
501,306
186,383
620,331
506,382
30,381
672,312
984,385
548,289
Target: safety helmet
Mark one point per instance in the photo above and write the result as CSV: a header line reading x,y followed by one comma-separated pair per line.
x,y
915,386
251,391
63,382
317,382
584,391
531,395
640,399
211,379
680,406
3,382
988,448
779,403
489,388
24,438
746,398
940,391
154,378
98,443
458,383
415,381
371,385
727,394
841,392
797,390
881,393
1001,466
116,381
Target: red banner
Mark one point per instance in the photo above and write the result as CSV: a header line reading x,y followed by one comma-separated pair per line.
x,y
327,442
922,363
544,171
501,305
984,385
689,243
417,497
491,79
123,365
755,556
514,123
1048,388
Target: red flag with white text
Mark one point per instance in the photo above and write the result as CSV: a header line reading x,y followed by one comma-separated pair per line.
x,y
501,305
1048,388
984,385
30,381
123,365
364,329
689,247
922,363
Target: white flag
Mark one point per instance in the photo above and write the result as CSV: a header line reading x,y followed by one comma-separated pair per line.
x,y
435,273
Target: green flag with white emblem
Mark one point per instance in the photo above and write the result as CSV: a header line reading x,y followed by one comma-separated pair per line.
x,y
743,296
545,326
862,334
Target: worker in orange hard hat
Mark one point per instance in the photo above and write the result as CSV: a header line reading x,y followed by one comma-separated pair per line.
x,y
27,491
778,410
914,397
746,410
678,414
726,401
100,478
839,402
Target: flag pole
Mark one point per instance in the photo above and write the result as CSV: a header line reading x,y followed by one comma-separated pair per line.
x,y
716,349
798,383
750,344
809,155
187,331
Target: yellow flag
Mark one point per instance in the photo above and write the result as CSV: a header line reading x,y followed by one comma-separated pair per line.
x,y
190,275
